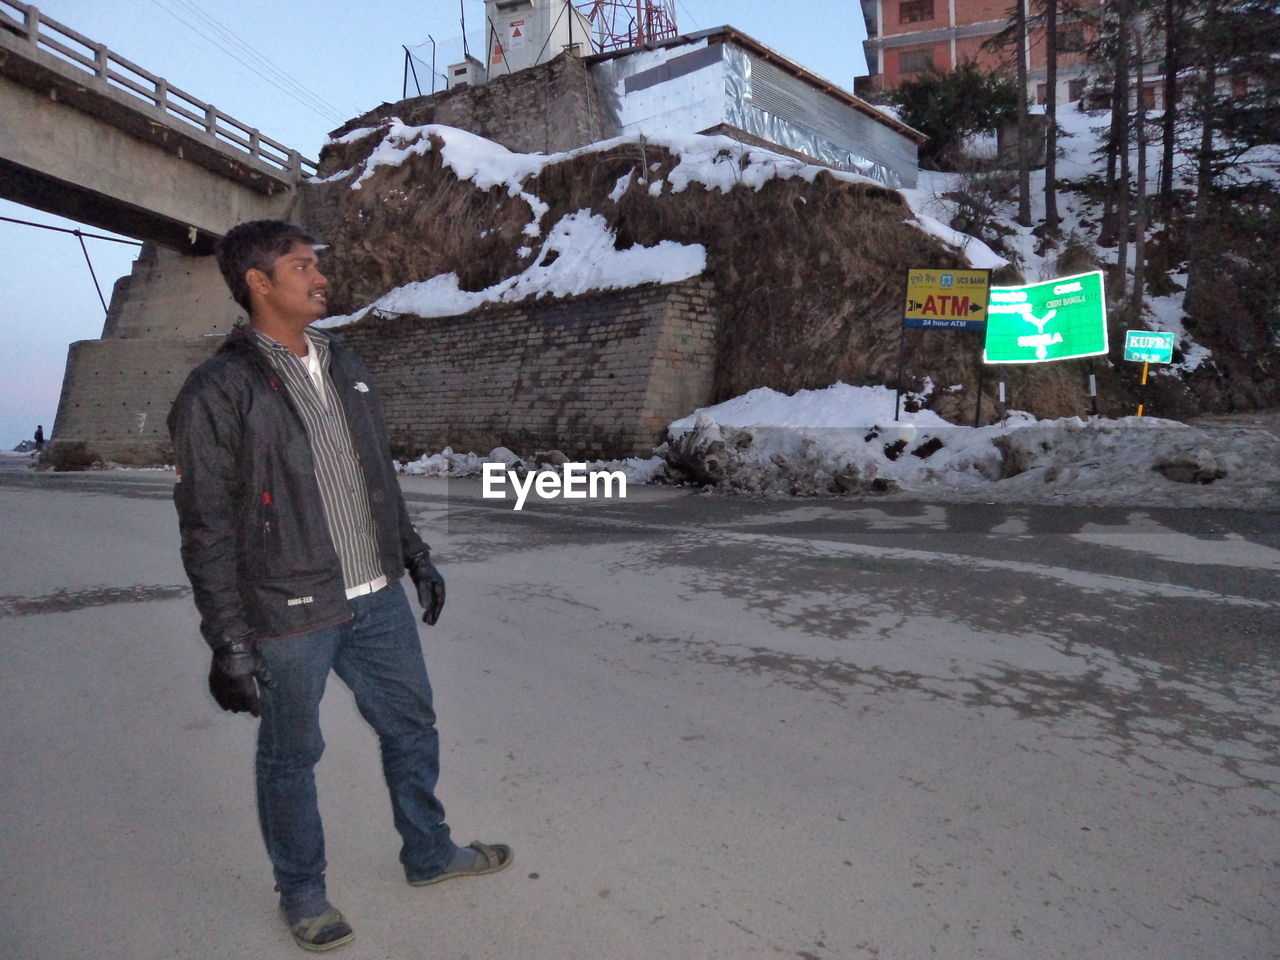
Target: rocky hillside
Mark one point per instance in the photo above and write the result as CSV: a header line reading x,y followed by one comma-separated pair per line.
x,y
808,265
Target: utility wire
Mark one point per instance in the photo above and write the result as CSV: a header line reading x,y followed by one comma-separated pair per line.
x,y
248,48
282,81
319,110
692,18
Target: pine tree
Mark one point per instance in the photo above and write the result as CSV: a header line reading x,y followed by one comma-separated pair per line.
x,y
1173,16
1234,265
1024,157
1051,118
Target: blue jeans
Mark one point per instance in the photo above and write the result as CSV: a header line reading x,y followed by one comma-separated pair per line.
x,y
378,656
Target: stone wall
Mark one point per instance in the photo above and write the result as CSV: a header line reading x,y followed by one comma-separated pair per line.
x,y
165,317
544,109
116,395
594,377
168,295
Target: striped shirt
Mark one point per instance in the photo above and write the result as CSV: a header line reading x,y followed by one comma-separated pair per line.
x,y
342,488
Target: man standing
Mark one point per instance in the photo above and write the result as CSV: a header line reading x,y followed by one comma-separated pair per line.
x,y
294,537
39,437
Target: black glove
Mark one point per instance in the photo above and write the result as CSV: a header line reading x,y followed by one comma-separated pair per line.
x,y
235,676
430,586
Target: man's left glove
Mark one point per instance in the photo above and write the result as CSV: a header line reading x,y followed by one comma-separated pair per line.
x,y
430,586
235,675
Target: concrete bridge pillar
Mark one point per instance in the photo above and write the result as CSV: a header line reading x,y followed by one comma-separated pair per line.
x,y
170,314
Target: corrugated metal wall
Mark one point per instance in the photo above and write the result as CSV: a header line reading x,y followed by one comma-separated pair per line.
x,y
688,89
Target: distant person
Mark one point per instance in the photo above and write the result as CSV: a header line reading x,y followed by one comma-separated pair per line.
x,y
295,536
39,436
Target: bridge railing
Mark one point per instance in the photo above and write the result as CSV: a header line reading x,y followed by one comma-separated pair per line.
x,y
109,67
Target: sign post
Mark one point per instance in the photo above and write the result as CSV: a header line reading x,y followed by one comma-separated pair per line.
x,y
946,299
1040,322
943,300
1148,348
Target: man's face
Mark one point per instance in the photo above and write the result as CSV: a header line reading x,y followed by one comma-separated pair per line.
x,y
294,290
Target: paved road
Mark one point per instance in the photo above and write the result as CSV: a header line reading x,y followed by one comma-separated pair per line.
x,y
712,728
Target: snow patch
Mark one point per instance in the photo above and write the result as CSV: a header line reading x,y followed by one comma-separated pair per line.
x,y
844,440
585,259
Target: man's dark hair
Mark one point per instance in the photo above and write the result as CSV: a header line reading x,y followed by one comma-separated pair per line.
x,y
255,245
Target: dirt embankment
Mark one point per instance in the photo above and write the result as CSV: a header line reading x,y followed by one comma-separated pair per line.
x,y
808,275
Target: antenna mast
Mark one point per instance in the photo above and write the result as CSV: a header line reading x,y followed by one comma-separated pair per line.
x,y
621,24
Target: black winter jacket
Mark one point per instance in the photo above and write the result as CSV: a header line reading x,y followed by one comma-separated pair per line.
x,y
255,542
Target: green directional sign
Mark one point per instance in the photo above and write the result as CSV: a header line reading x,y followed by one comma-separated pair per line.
x,y
1040,322
1147,347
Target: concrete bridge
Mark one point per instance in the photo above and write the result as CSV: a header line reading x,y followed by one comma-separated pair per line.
x,y
89,135
92,136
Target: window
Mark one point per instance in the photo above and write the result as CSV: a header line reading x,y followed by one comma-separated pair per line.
x,y
1075,88
1042,93
914,61
914,11
1148,97
1071,40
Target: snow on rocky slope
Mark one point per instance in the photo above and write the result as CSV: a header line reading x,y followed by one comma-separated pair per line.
x,y
841,440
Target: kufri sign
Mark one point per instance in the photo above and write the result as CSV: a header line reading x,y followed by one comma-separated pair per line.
x,y
1147,347
1054,320
946,299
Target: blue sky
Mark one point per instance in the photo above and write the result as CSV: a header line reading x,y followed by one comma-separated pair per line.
x,y
349,57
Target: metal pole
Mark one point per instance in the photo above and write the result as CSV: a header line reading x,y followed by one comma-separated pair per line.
x,y
404,83
977,410
415,76
902,359
80,237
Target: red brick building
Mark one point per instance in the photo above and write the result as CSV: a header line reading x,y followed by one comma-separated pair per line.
x,y
907,37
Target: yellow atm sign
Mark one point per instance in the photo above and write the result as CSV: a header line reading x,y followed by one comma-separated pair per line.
x,y
946,299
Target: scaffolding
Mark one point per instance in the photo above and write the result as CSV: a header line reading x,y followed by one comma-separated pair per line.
x,y
622,24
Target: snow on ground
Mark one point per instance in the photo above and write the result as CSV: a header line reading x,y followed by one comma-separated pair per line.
x,y
845,438
446,463
979,255
768,442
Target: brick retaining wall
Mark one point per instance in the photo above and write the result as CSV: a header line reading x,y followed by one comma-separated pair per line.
x,y
595,377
